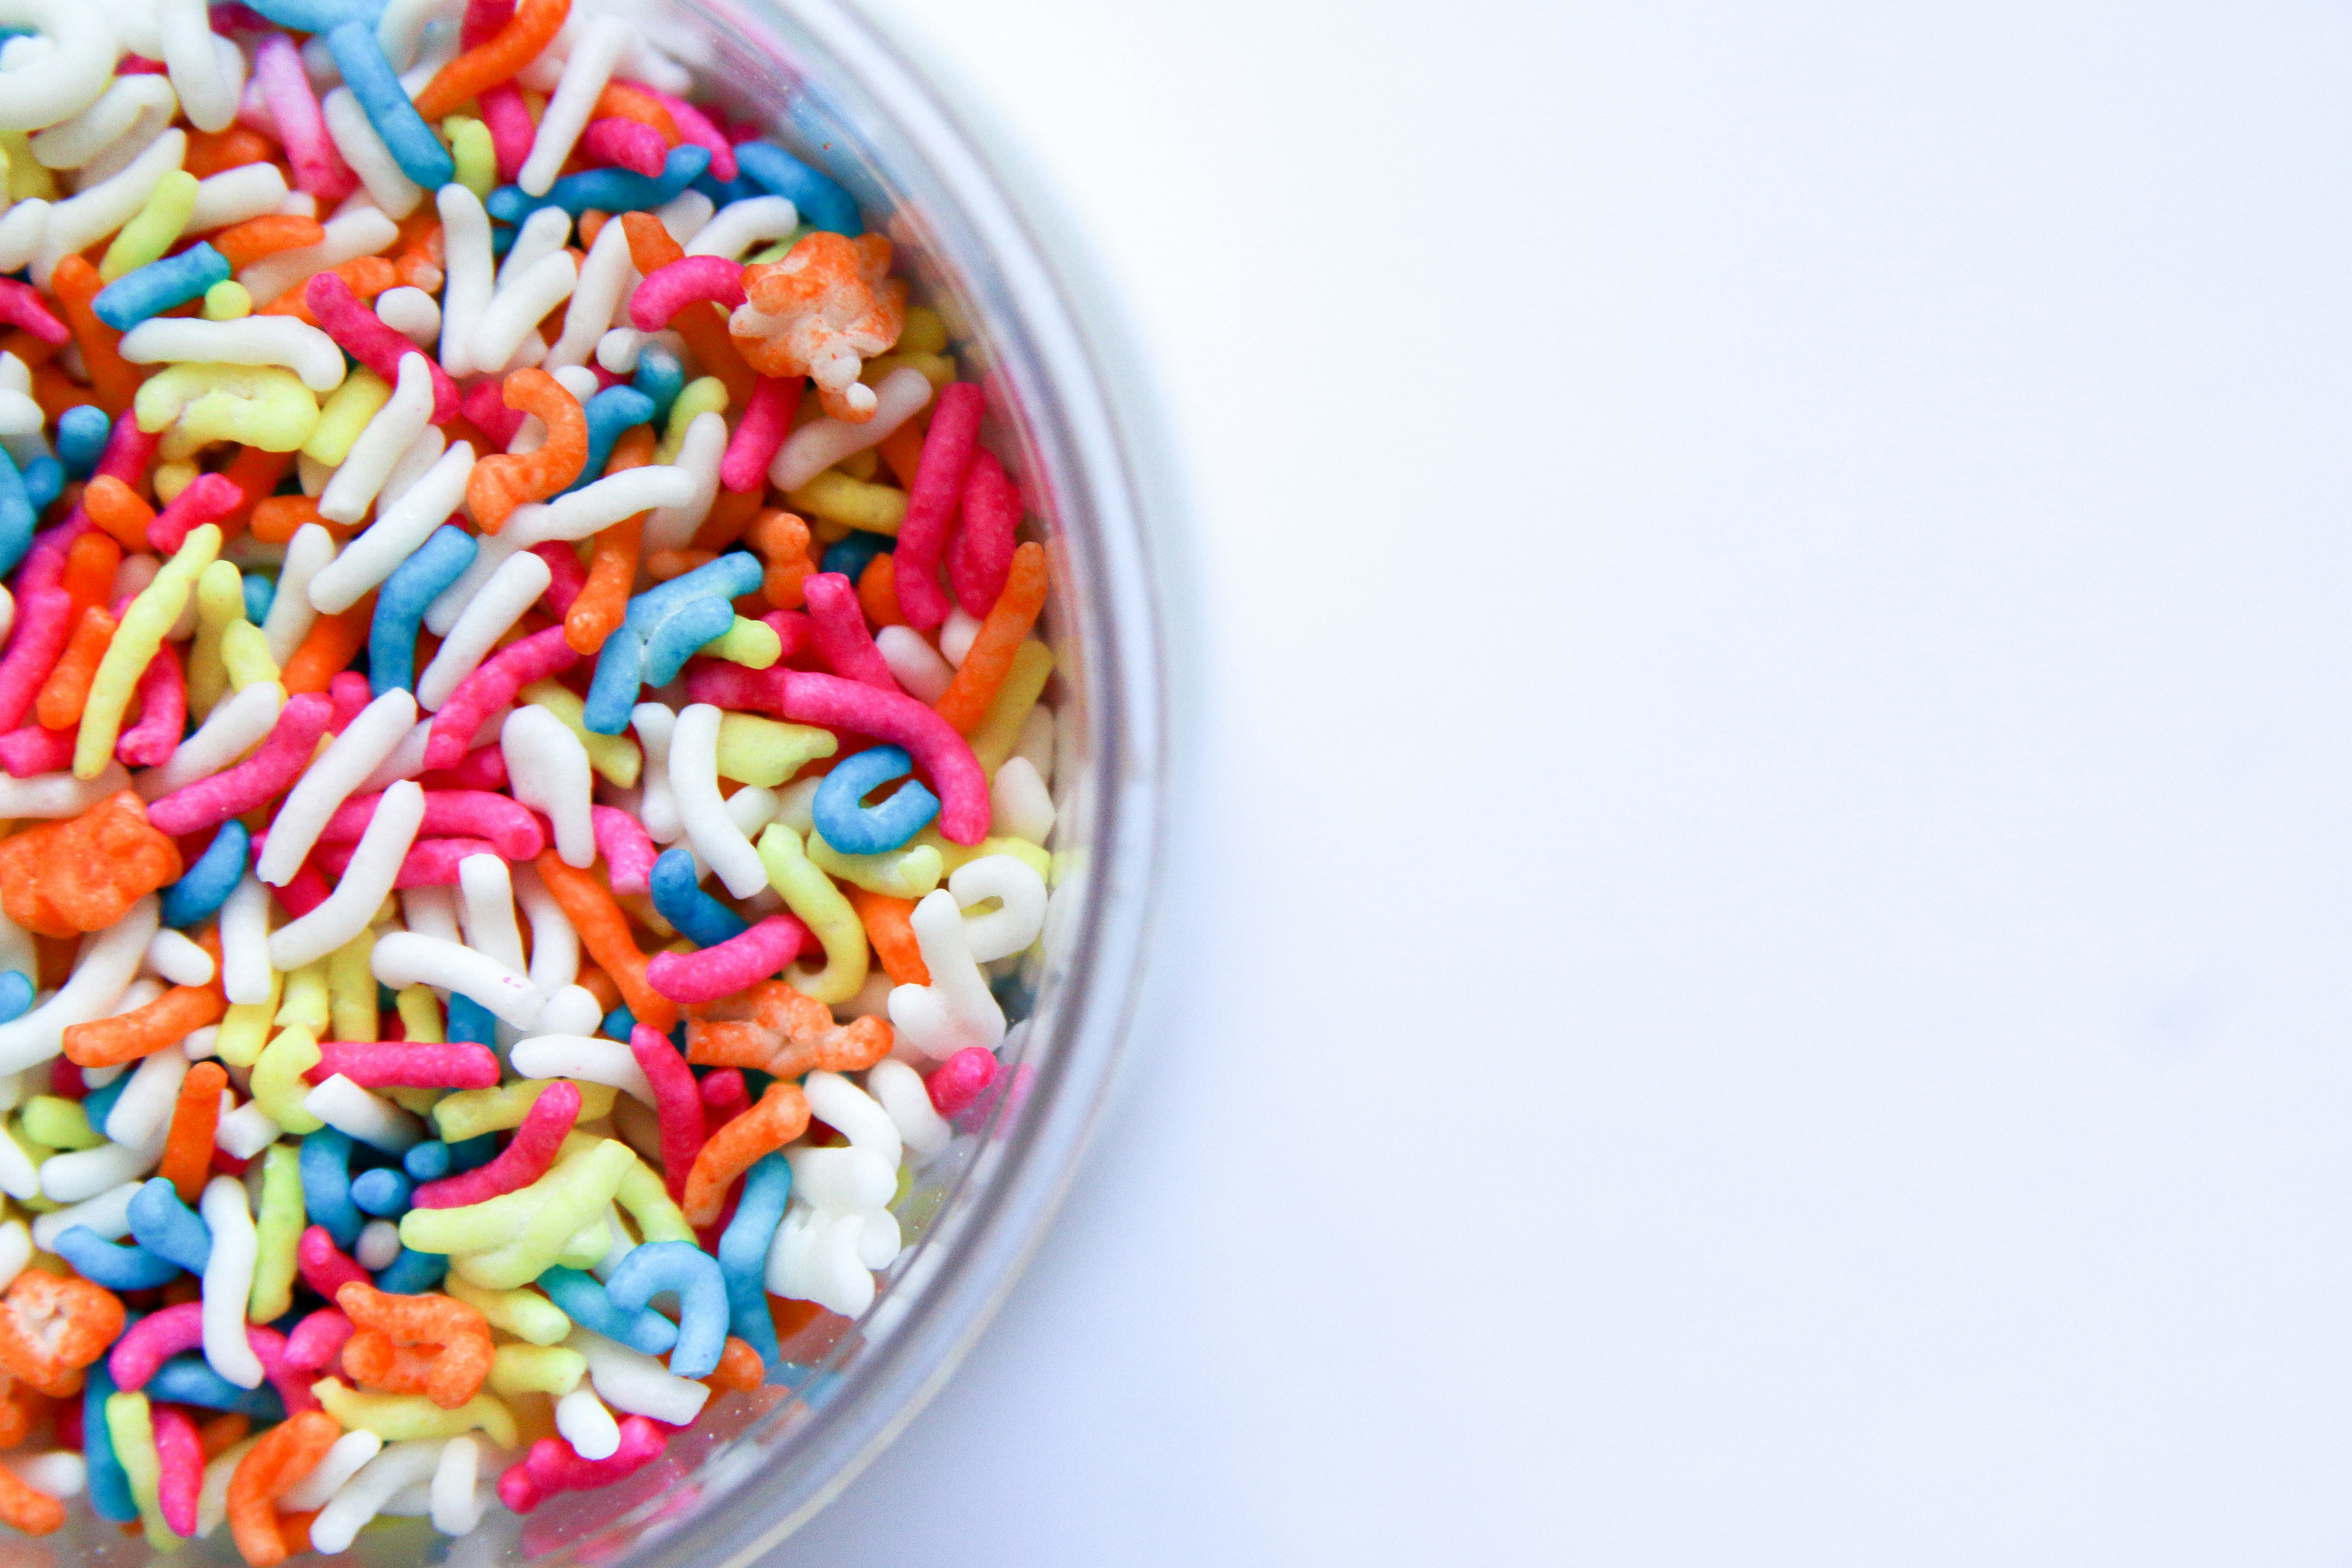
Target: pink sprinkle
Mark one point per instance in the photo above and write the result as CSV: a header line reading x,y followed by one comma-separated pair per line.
x,y
211,498
180,1459
318,167
42,627
323,1266
899,720
361,333
485,406
153,1340
555,1466
485,768
407,1064
793,629
838,627
605,378
694,127
668,290
931,501
725,1097
980,558
304,892
33,750
721,971
474,813
429,863
317,1340
162,713
483,20
628,853
262,777
565,576
21,305
625,145
511,132
766,420
234,18
348,691
293,1388
678,1104
525,1159
139,65
960,1079
492,687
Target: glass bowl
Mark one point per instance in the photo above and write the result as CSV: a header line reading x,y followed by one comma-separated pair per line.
x,y
1073,425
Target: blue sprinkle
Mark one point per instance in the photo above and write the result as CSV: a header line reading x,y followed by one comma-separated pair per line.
x,y
400,605
326,1166
660,376
680,634
317,16
609,413
169,1228
469,1154
370,77
188,1380
111,1263
822,204
730,576
613,690
502,237
260,593
694,1275
382,1192
614,191
17,514
586,1302
619,1022
855,828
852,556
44,480
469,1020
208,884
427,1161
724,192
413,1273
97,1102
157,287
678,895
83,433
743,1253
16,995
110,1485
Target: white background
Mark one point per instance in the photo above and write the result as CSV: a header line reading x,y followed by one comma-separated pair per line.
x,y
1762,968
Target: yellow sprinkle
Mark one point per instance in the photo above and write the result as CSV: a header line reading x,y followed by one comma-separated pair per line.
x,y
307,1005
277,1234
761,751
512,1240
347,411
144,624
924,332
405,1417
837,498
130,1426
704,394
470,146
907,873
420,1015
245,1029
999,730
809,894
245,657
147,236
537,1369
278,1086
526,1314
26,179
263,406
616,757
228,301
471,1112
939,369
351,989
220,600
751,643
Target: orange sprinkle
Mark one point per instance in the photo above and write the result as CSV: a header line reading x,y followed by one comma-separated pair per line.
x,y
991,658
83,874
67,690
27,1508
739,1368
287,1452
783,541
730,513
487,64
878,591
268,235
367,277
112,378
502,481
702,324
116,507
890,928
211,153
143,1031
91,561
222,1432
256,473
663,564
782,1115
327,649
903,450
276,518
604,932
603,600
621,102
188,1146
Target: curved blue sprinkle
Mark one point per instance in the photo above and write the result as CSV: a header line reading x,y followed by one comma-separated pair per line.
x,y
609,413
677,894
743,1253
100,1101
400,604
114,1265
189,1380
82,432
382,1192
371,78
612,191
822,203
613,690
16,995
326,1167
660,376
317,16
260,593
205,887
724,192
855,828
145,291
427,1161
109,1484
413,1273
586,1302
681,633
679,1266
169,1228
730,576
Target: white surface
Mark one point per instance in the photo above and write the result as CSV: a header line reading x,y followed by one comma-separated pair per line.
x,y
1769,959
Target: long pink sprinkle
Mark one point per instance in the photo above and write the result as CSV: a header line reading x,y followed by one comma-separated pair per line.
x,y
837,624
492,687
932,501
43,625
317,1340
899,720
21,305
511,132
153,1340
793,629
476,814
628,853
727,967
406,1064
324,1266
211,498
678,1104
361,333
318,167
304,892
180,1461
523,1161
162,713
668,290
628,144
482,21
34,750
980,558
429,863
486,408
766,420
237,789
694,127
484,768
